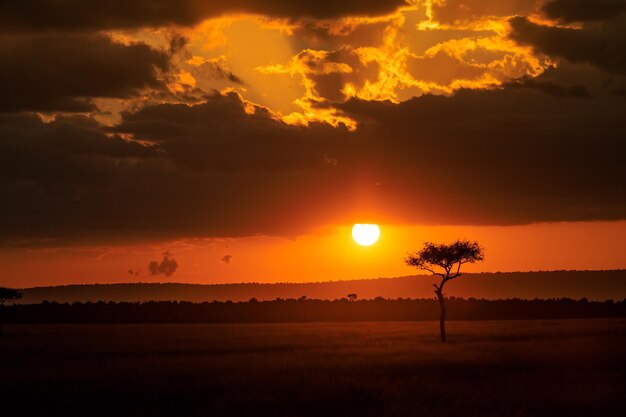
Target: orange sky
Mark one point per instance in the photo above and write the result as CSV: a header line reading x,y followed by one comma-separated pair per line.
x,y
331,255
243,138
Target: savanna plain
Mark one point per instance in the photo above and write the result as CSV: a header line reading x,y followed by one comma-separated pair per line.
x,y
490,368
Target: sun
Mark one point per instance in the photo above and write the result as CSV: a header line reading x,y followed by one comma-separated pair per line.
x,y
365,234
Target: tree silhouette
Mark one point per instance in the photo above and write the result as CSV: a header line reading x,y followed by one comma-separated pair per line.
x,y
352,297
7,294
445,261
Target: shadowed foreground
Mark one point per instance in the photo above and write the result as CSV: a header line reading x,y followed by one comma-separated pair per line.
x,y
521,368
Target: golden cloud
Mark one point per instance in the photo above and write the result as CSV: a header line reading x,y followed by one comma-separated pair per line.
x,y
309,66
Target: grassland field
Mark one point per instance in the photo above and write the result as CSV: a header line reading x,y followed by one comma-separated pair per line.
x,y
489,368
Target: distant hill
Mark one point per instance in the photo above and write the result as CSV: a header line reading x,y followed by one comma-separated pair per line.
x,y
593,285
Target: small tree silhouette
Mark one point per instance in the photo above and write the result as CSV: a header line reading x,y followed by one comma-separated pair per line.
x,y
445,261
352,297
7,294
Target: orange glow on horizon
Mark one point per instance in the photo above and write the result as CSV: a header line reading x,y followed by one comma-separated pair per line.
x,y
328,255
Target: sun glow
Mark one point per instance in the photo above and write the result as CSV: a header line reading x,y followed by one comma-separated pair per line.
x,y
365,234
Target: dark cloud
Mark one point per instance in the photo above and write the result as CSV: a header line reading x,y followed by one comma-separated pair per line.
x,y
462,11
66,153
63,72
218,135
506,156
599,44
583,10
39,15
48,168
550,88
570,76
332,35
217,70
209,69
214,170
167,266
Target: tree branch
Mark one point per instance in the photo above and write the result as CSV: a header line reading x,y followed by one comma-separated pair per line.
x,y
428,269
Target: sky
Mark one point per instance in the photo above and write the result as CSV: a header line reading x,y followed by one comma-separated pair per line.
x,y
211,142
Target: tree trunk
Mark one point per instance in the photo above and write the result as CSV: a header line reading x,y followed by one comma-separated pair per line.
x,y
442,315
1,317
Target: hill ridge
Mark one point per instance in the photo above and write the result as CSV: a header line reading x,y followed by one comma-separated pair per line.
x,y
594,285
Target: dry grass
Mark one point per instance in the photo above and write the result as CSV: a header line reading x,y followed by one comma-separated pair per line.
x,y
520,368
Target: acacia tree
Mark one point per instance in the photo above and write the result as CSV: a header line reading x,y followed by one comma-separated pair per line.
x,y
7,294
445,261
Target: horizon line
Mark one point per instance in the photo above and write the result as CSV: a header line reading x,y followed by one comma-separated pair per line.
x,y
317,282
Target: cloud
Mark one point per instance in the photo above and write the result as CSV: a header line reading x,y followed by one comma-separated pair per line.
x,y
326,74
227,258
334,59
390,59
217,69
462,12
539,138
333,34
511,155
601,45
44,15
494,156
64,72
167,266
220,135
549,87
583,10
68,152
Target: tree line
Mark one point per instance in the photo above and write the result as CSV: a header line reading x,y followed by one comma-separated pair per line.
x,y
310,310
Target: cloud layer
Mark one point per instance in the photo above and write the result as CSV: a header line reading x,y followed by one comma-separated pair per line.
x,y
487,113
41,15
65,72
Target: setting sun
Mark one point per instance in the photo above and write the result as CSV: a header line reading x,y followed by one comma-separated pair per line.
x,y
365,234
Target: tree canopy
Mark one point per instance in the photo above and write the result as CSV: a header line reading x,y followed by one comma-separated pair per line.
x,y
8,294
447,257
